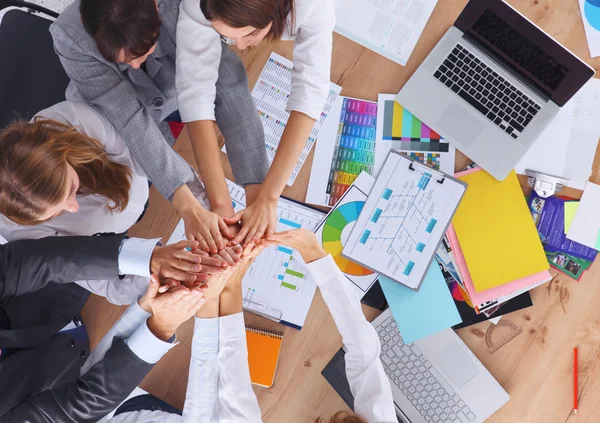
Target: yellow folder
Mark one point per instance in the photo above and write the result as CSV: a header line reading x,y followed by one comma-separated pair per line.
x,y
496,232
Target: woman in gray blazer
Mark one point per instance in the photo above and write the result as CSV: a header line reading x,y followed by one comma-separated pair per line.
x,y
120,56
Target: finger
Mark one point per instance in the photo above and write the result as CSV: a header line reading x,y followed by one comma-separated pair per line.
x,y
235,256
270,231
237,249
212,247
259,233
182,245
181,275
250,236
175,294
225,229
163,288
216,234
216,261
247,249
211,270
188,256
197,305
241,235
224,254
235,218
153,287
203,245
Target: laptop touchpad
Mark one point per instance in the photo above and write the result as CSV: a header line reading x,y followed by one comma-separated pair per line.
x,y
460,124
457,365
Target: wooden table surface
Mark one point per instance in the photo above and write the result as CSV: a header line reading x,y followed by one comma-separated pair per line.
x,y
535,367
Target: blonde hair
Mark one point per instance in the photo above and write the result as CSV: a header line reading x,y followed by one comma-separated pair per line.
x,y
33,169
342,417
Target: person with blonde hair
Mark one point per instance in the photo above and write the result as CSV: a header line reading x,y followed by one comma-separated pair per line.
x,y
69,172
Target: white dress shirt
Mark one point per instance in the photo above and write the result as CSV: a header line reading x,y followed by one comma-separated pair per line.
x,y
93,215
199,54
368,382
219,388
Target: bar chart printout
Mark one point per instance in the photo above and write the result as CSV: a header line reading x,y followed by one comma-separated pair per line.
x,y
278,278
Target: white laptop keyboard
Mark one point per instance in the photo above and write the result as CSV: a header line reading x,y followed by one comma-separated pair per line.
x,y
415,376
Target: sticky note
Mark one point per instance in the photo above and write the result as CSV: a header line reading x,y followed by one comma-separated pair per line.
x,y
419,314
570,209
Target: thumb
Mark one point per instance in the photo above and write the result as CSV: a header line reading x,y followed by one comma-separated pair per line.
x,y
181,245
224,229
235,218
153,287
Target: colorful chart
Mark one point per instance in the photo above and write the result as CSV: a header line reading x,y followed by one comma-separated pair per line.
x,y
354,147
408,132
335,224
591,9
428,159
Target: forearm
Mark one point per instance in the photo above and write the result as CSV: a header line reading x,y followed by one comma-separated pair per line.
x,y
208,158
292,143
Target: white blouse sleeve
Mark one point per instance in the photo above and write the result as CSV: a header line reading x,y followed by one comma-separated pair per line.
x,y
198,59
237,402
311,73
368,382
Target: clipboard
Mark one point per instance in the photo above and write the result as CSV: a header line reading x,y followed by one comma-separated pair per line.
x,y
404,219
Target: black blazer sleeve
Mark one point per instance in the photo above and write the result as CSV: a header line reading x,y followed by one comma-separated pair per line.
x,y
29,265
89,398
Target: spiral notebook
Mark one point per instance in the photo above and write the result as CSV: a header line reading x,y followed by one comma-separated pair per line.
x,y
263,354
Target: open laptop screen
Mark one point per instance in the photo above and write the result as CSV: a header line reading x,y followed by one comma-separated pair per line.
x,y
539,60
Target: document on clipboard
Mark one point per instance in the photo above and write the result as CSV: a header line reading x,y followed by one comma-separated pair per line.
x,y
277,285
404,219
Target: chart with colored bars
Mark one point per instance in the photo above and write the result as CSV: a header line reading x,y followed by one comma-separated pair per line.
x,y
398,129
278,279
270,94
336,228
403,221
354,146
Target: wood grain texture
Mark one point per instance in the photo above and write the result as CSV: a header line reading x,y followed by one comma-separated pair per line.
x,y
535,367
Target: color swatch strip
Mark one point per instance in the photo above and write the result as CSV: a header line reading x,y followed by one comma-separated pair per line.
x,y
354,147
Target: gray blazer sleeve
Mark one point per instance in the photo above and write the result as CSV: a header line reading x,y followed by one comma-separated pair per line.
x,y
104,88
29,265
89,398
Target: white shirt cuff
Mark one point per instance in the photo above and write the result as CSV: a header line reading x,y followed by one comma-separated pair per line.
x,y
205,343
323,269
135,256
232,326
147,346
197,111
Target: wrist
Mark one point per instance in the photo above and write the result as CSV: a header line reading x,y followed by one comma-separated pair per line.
x,y
144,304
161,330
210,309
313,253
184,200
154,260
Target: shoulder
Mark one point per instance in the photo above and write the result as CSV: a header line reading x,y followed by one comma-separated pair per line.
x,y
68,32
308,9
85,118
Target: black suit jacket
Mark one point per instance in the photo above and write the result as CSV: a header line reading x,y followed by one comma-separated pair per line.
x,y
37,299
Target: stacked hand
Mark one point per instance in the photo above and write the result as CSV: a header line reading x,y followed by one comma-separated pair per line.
x,y
171,308
302,240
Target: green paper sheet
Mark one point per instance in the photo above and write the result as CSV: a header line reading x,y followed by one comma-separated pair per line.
x,y
570,209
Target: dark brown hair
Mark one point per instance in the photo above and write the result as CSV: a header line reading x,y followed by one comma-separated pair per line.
x,y
33,169
342,417
128,26
255,13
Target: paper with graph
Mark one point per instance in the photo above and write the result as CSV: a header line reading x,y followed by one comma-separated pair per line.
x,y
277,281
270,94
403,220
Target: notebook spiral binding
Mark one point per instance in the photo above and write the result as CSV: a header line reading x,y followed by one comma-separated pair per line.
x,y
271,333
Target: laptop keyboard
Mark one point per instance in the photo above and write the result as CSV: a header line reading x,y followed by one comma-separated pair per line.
x,y
418,380
483,88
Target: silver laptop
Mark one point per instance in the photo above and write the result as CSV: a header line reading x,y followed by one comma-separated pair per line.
x,y
492,84
436,379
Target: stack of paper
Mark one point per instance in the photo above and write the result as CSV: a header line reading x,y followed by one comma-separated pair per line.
x,y
491,225
585,228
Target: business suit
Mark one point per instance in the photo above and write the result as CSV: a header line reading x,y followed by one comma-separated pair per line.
x,y
136,101
37,300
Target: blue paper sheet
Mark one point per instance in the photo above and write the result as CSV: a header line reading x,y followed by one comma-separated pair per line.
x,y
422,313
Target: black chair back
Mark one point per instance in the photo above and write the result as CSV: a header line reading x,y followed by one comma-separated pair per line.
x,y
31,76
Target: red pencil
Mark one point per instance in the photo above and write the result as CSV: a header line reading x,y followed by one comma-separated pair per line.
x,y
575,383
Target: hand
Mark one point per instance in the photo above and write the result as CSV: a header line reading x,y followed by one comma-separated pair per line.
x,y
171,309
258,220
176,262
229,256
302,240
204,226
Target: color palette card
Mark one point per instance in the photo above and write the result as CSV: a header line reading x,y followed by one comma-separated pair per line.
x,y
585,228
398,129
334,230
345,148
